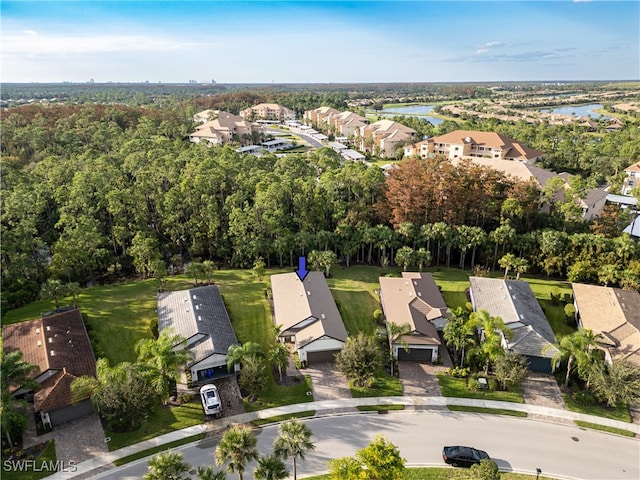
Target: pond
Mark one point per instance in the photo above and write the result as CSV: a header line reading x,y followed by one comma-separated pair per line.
x,y
421,111
578,110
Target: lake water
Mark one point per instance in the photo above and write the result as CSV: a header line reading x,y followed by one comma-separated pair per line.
x,y
578,110
421,111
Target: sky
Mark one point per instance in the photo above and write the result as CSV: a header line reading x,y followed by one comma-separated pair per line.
x,y
249,41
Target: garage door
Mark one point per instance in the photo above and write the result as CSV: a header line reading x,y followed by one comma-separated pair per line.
x,y
321,357
415,355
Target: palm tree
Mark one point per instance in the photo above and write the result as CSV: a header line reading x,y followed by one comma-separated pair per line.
x,y
423,258
293,441
166,356
396,332
237,353
573,348
52,289
209,473
237,447
279,356
270,467
209,267
507,262
493,330
13,417
16,372
405,257
460,333
167,465
73,288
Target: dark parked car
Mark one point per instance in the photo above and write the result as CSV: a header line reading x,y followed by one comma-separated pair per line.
x,y
463,456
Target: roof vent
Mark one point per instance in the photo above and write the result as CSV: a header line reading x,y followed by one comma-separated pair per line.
x,y
52,353
197,307
186,298
419,294
48,328
39,343
37,330
50,340
323,316
194,296
199,318
415,283
308,293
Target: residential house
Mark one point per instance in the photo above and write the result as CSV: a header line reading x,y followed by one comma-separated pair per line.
x,y
224,129
58,344
613,315
268,111
199,315
308,316
463,144
514,302
383,137
632,180
414,300
205,116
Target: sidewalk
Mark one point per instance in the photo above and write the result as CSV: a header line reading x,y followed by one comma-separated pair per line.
x,y
332,405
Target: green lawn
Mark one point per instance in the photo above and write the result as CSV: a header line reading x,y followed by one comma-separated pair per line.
x,y
447,473
277,395
604,428
457,387
163,420
621,412
385,386
158,449
493,411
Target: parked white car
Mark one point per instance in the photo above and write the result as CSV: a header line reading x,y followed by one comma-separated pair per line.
x,y
211,400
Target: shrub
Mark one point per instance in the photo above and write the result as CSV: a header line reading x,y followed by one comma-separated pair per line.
x,y
459,372
585,398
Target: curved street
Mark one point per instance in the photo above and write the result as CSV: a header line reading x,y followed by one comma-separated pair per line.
x,y
516,444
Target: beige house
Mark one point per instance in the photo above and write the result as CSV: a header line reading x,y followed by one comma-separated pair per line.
x,y
308,316
414,300
268,111
633,178
224,129
383,137
205,115
614,315
469,144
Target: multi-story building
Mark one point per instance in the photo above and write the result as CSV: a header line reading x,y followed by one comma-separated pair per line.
x,y
383,137
346,123
468,144
226,128
317,115
633,178
268,111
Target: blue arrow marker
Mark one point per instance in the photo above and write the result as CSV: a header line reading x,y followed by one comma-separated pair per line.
x,y
302,271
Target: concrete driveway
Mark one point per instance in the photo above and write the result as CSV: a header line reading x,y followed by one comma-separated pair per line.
x,y
327,383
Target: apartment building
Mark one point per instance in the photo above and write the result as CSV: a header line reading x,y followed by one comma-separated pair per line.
x,y
469,144
383,137
224,129
268,111
633,178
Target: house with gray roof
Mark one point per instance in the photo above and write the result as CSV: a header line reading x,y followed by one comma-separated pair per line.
x,y
514,302
199,315
308,316
414,300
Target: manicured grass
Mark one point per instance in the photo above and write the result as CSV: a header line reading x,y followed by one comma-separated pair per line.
x,y
159,448
163,420
277,395
385,386
457,387
40,470
379,408
494,411
281,418
446,473
604,428
620,413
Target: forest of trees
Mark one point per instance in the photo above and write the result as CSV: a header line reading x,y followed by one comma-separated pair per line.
x,y
96,192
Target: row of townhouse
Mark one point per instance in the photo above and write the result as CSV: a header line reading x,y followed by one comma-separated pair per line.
x,y
382,138
269,112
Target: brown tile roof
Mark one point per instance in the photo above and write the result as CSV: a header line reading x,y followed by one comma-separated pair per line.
x,y
512,147
413,299
55,343
633,168
613,313
55,392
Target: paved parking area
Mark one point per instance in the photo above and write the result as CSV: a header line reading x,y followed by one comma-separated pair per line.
x,y
327,383
79,440
419,379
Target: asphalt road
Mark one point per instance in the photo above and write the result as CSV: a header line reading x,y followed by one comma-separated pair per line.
x,y
560,451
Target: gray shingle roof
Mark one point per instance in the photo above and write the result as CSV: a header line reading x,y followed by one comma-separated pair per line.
x,y
515,303
199,315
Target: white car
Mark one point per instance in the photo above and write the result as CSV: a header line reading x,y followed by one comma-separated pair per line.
x,y
211,400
